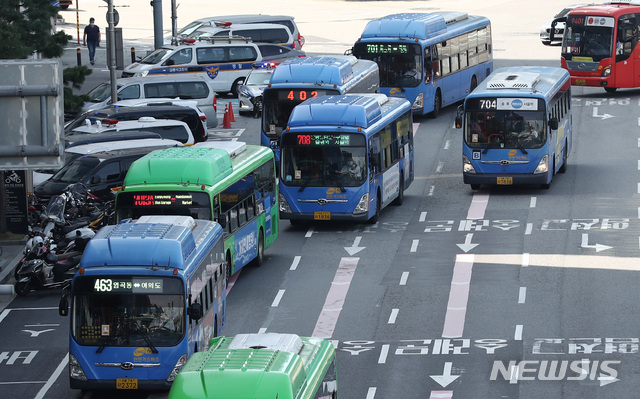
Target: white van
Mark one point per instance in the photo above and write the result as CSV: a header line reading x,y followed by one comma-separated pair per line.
x,y
195,88
258,33
285,20
166,128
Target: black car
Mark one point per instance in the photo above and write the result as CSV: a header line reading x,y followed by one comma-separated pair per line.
x,y
100,172
158,111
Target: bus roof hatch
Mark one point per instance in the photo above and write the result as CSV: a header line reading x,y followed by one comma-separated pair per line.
x,y
522,80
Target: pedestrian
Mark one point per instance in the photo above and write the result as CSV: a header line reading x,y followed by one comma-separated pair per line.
x,y
91,39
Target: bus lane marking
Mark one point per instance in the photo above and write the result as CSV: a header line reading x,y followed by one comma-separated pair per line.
x,y
296,261
414,245
277,299
62,366
441,395
371,393
335,298
309,232
393,316
404,278
478,206
458,297
532,204
522,294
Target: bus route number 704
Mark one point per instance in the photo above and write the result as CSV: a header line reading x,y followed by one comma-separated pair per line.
x,y
488,104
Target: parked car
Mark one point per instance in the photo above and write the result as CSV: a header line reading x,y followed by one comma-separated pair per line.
x,y
545,31
166,128
126,110
285,20
100,172
225,62
74,139
250,93
258,33
195,88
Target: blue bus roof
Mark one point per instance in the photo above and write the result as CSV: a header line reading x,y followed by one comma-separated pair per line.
x,y
422,26
351,111
533,81
166,241
335,70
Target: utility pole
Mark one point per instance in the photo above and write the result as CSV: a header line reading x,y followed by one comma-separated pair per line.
x,y
158,40
174,22
112,50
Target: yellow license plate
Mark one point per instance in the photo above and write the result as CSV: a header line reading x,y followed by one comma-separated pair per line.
x,y
322,215
126,383
505,180
581,82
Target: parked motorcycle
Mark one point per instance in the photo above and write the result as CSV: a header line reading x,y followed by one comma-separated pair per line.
x,y
54,271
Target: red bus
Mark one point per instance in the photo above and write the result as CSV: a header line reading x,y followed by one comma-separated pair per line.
x,y
599,47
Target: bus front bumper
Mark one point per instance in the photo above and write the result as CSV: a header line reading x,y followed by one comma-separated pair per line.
x,y
325,216
495,179
589,81
110,385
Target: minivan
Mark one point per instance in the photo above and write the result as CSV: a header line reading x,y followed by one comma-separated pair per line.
x,y
188,115
258,33
285,20
193,87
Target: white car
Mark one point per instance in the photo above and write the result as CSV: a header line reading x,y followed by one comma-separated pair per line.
x,y
545,31
250,93
166,128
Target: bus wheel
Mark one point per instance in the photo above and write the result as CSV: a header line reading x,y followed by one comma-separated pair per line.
x,y
563,168
475,187
374,218
437,104
610,89
260,256
400,198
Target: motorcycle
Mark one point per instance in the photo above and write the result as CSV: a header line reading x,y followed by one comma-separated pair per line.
x,y
54,271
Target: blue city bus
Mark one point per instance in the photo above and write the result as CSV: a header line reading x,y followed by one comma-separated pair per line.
x,y
299,79
517,127
432,60
346,157
149,293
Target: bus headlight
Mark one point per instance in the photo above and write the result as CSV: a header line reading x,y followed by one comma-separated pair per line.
x,y
543,165
284,205
418,103
75,369
466,165
606,72
177,368
363,204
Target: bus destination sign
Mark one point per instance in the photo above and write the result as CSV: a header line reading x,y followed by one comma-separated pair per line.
x,y
387,48
162,199
507,104
300,95
128,285
321,140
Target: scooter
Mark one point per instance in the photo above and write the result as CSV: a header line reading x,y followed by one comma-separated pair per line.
x,y
53,272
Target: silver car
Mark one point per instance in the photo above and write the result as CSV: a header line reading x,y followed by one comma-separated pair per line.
x,y
250,93
545,31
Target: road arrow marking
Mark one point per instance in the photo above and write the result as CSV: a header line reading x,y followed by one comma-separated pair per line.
x,y
446,378
34,334
603,116
467,246
606,379
598,247
355,248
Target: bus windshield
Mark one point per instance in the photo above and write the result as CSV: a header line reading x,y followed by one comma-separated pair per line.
x,y
505,129
400,64
587,43
120,310
321,165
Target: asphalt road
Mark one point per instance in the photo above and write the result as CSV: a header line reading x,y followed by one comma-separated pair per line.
x,y
551,275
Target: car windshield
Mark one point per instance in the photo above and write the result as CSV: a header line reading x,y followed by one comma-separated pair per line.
x,y
76,170
259,77
100,93
157,56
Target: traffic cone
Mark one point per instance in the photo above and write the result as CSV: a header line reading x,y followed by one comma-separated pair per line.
x,y
226,123
231,118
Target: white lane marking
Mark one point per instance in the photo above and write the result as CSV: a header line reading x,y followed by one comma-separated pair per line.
x,y
393,316
439,167
458,297
414,245
262,330
529,229
518,335
371,393
525,260
54,377
423,216
447,144
532,204
478,206
383,354
522,296
296,261
403,278
277,299
431,190
309,232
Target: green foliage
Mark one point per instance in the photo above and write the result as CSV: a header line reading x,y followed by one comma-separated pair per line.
x,y
27,30
75,77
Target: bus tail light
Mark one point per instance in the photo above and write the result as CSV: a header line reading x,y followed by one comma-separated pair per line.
x,y
543,165
284,205
177,368
363,204
75,369
467,167
606,71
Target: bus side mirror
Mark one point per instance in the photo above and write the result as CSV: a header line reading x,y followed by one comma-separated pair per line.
x,y
553,124
459,117
553,27
222,221
63,306
195,311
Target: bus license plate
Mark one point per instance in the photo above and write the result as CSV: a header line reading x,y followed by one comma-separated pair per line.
x,y
581,82
126,383
321,215
505,180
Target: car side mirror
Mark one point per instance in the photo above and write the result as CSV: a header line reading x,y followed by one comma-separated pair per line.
x,y
170,62
95,179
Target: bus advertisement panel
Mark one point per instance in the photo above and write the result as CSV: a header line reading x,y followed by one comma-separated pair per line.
x,y
226,181
432,60
149,293
260,366
299,79
517,127
600,45
346,157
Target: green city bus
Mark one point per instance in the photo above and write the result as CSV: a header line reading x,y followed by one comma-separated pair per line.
x,y
229,182
260,366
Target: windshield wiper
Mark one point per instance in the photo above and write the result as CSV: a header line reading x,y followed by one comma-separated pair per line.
x,y
304,185
102,346
145,336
